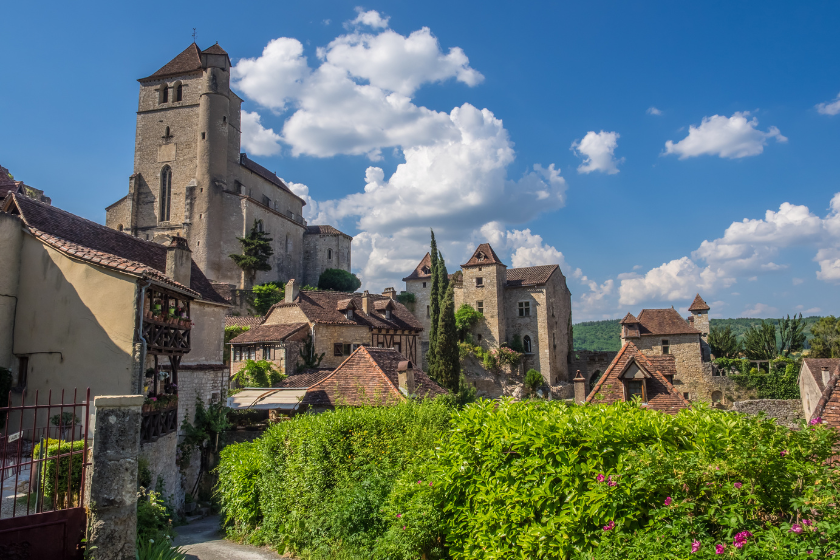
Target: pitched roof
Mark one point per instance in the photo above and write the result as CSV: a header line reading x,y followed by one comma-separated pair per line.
x,y
368,376
422,270
828,407
188,61
272,178
103,246
629,319
530,275
666,365
269,333
655,322
816,365
214,49
324,230
662,395
484,255
305,378
250,322
324,307
7,183
698,304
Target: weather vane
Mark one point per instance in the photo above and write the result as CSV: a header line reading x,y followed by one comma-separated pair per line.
x,y
193,34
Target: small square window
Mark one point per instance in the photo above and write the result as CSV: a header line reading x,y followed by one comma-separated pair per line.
x,y
337,349
479,306
666,347
524,308
635,388
479,282
685,396
424,284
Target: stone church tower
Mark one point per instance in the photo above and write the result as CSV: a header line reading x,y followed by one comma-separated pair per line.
x,y
191,180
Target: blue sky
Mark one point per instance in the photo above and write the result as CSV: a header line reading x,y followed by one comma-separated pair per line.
x,y
416,115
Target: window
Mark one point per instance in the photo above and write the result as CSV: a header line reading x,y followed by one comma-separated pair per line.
x,y
179,92
337,349
347,349
260,226
524,308
119,227
424,284
717,397
479,306
428,311
526,344
387,313
288,244
23,370
165,193
685,396
203,135
635,388
670,378
397,347
164,93
349,314
329,254
666,347
479,338
166,134
268,352
266,201
479,282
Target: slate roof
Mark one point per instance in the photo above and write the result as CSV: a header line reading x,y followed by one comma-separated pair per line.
x,y
272,178
103,246
656,322
698,304
423,270
368,376
490,256
530,275
269,333
662,395
323,307
816,365
324,230
188,61
251,322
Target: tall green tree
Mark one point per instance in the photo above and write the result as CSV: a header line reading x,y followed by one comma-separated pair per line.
x,y
825,338
263,296
448,367
440,278
434,308
760,341
724,343
791,334
338,280
256,250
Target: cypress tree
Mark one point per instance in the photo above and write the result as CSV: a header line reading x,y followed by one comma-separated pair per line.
x,y
434,309
256,249
449,363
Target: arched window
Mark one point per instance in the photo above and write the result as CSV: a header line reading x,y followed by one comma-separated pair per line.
x,y
179,92
164,93
329,254
165,193
526,343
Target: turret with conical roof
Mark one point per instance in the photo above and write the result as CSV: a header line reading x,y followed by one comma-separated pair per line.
x,y
700,316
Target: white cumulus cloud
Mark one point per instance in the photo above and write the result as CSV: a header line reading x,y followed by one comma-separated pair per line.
x,y
371,18
257,139
598,151
830,108
728,137
276,76
653,111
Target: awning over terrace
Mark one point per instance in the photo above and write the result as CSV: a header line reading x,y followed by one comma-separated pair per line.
x,y
270,398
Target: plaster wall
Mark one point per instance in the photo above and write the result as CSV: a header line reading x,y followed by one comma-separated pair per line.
x,y
207,335
11,234
809,391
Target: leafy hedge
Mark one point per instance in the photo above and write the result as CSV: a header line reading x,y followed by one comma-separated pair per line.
x,y
535,479
54,447
781,382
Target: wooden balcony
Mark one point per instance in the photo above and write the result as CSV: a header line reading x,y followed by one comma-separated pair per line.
x,y
166,336
157,423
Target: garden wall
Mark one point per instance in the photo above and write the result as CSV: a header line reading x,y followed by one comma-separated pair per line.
x,y
786,412
161,456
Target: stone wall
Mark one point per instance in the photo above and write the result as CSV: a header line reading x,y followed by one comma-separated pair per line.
x,y
590,362
490,330
328,335
160,456
285,357
323,251
786,412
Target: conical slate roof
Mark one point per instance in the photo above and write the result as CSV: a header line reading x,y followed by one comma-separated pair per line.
x,y
484,255
698,304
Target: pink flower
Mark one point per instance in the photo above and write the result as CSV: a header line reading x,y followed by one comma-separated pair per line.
x,y
795,528
430,484
399,515
600,478
609,526
695,546
403,527
738,544
815,421
807,522
668,501
719,548
738,485
783,453
419,481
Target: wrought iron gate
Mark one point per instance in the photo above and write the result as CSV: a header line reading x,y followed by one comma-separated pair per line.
x,y
43,459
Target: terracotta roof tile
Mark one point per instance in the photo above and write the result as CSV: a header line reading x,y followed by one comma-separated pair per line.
x,y
816,365
483,255
214,49
188,61
698,304
530,275
324,230
104,246
368,377
323,307
234,321
655,322
269,333
629,319
662,395
423,270
305,378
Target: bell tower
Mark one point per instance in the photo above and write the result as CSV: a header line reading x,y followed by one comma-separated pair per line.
x,y
483,288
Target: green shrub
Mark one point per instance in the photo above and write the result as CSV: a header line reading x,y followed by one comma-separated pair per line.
x,y
158,549
238,472
466,318
534,379
263,296
780,382
154,517
338,280
260,373
407,298
48,475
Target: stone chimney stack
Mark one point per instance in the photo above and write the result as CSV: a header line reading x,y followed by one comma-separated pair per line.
x,y
366,302
580,388
179,260
405,371
390,293
826,376
292,291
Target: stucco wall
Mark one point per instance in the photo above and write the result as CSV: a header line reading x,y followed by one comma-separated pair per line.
x,y
208,334
11,233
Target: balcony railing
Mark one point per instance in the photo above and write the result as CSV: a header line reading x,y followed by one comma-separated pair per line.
x,y
158,422
165,335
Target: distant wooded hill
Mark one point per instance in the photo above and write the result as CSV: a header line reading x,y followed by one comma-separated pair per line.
x,y
605,335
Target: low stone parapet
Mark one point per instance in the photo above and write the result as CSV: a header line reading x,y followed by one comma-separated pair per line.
x,y
786,412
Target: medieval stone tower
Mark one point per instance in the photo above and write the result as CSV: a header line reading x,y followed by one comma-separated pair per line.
x,y
190,179
484,283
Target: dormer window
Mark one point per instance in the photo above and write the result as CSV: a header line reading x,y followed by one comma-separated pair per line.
x,y
635,388
387,313
349,314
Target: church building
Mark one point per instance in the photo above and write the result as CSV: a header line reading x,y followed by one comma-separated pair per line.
x,y
191,180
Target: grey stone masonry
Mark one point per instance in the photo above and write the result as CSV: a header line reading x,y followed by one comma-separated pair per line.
x,y
786,412
112,498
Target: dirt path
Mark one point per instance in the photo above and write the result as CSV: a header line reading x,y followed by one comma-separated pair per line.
x,y
202,540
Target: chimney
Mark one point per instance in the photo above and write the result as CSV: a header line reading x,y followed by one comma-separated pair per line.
x,y
292,291
179,260
366,302
390,293
580,388
405,371
826,376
